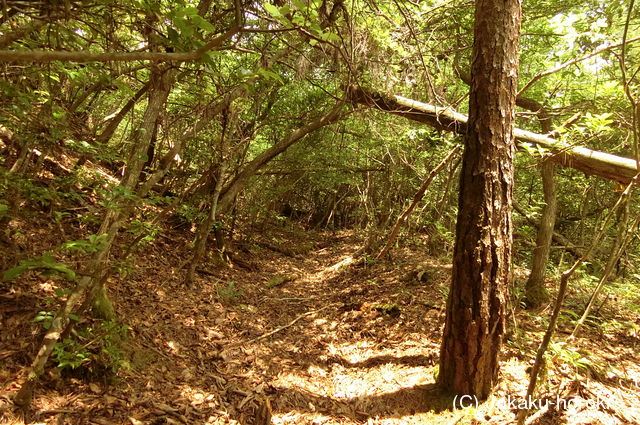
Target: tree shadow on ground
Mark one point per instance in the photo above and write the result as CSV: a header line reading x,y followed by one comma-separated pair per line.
x,y
427,398
371,362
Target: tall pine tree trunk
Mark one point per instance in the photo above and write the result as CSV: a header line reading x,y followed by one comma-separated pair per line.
x,y
475,316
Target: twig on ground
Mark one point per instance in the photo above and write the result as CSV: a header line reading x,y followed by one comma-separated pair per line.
x,y
281,328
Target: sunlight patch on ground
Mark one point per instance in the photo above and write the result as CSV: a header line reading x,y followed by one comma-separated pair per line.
x,y
197,397
332,270
294,417
358,369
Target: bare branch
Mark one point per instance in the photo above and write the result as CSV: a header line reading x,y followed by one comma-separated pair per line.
x,y
596,52
43,56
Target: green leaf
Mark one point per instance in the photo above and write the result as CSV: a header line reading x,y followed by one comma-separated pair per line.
x,y
273,10
203,23
299,4
45,262
284,10
65,270
60,292
270,75
43,315
174,37
14,272
190,11
298,20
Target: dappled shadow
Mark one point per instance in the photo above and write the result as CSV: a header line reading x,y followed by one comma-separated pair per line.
x,y
411,360
403,402
317,346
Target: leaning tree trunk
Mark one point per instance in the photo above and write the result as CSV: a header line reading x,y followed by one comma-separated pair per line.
x,y
114,122
237,184
475,318
395,231
91,281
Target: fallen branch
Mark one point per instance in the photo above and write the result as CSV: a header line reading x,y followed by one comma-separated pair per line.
x,y
597,163
281,328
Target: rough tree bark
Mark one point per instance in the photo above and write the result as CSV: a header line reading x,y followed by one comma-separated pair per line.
x,y
536,292
475,318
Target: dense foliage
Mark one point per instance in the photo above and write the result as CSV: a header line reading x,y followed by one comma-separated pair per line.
x,y
225,116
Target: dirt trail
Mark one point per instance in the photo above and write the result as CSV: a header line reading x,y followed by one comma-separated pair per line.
x,y
296,328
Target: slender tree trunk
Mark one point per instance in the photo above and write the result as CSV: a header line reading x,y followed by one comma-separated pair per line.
x,y
536,292
91,280
568,245
235,186
393,235
114,122
475,318
625,232
202,234
562,290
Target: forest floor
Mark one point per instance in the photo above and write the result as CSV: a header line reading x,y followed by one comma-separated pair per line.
x,y
296,326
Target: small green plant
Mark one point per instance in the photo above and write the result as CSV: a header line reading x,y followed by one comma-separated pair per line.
x,y
575,359
46,263
93,243
387,309
113,196
404,291
187,214
368,260
425,275
70,354
146,229
4,209
58,216
44,318
42,196
280,280
97,349
228,294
